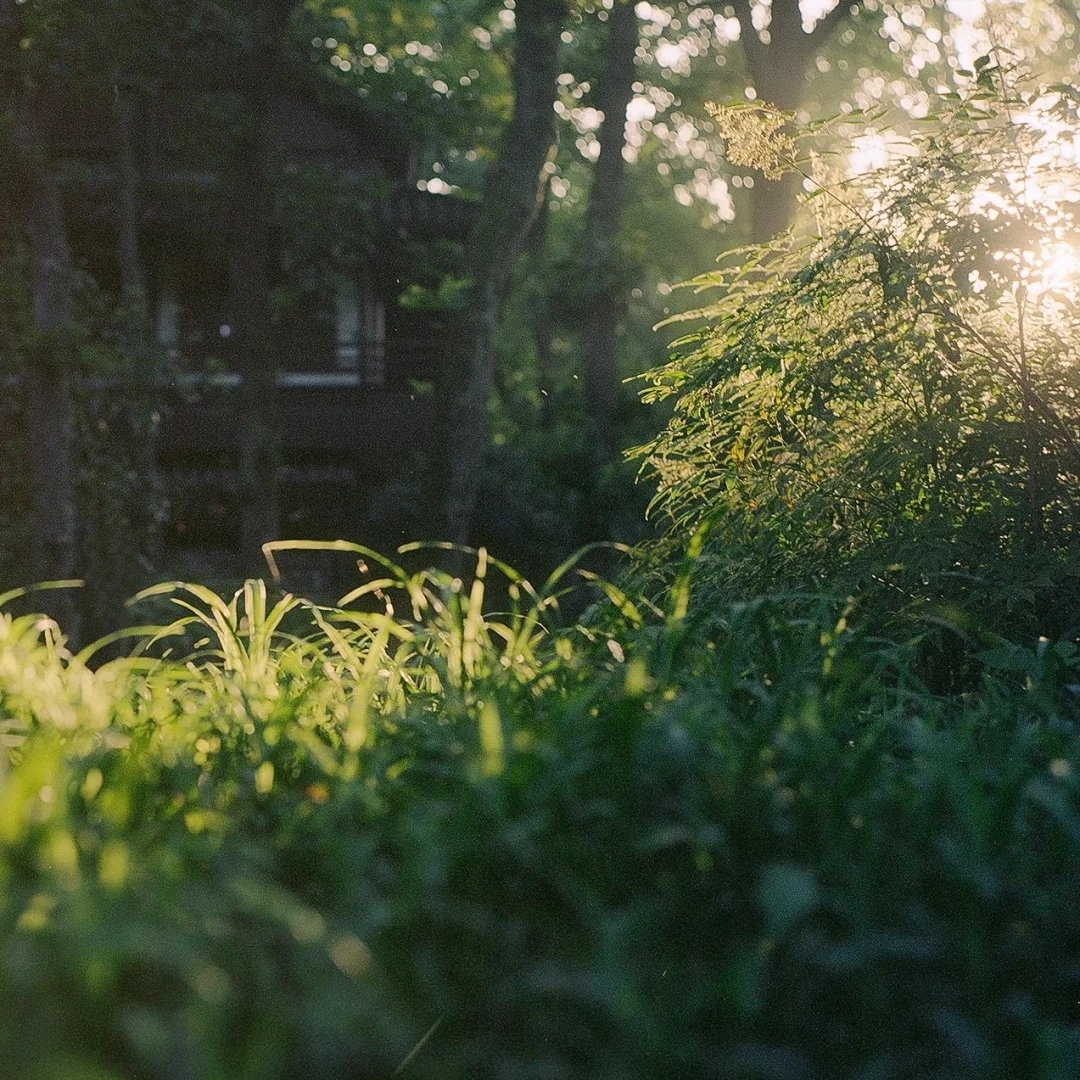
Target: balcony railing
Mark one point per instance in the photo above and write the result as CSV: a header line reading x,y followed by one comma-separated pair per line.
x,y
326,419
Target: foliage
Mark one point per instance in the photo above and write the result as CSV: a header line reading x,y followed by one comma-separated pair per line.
x,y
889,409
440,70
407,834
323,842
120,502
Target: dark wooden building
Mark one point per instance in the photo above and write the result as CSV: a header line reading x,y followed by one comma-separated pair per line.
x,y
355,369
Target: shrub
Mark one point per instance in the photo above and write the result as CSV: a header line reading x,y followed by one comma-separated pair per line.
x,y
890,408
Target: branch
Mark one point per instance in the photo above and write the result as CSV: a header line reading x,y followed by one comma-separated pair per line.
x,y
826,26
1041,405
790,45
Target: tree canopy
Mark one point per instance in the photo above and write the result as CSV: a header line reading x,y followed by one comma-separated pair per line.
x,y
579,221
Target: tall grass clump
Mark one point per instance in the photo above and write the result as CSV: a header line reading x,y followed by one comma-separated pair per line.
x,y
409,835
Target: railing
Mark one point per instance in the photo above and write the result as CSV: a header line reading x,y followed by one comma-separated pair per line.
x,y
394,364
315,419
321,417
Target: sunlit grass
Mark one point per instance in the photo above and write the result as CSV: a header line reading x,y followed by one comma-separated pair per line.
x,y
283,839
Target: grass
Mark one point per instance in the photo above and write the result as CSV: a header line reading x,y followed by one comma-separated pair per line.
x,y
409,836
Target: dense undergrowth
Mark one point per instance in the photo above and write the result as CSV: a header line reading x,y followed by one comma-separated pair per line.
x,y
407,837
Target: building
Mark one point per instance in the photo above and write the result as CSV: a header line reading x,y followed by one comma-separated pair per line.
x,y
355,368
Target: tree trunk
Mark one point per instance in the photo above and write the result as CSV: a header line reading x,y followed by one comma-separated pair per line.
x,y
250,269
544,339
249,338
513,187
132,272
604,270
778,72
136,406
49,413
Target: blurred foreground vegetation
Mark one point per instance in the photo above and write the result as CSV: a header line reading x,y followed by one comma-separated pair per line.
x,y
646,844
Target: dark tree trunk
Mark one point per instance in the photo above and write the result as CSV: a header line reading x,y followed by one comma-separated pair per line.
x,y
251,272
544,339
513,191
50,420
604,269
49,413
132,272
541,317
249,335
778,71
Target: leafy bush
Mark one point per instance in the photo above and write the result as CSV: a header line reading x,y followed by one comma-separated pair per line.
x,y
318,841
890,408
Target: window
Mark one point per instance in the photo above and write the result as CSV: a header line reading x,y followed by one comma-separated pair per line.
x,y
360,331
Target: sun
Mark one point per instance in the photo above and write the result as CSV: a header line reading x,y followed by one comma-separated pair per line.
x,y
1053,268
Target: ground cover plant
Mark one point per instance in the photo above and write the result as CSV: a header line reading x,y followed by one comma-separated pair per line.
x,y
639,845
